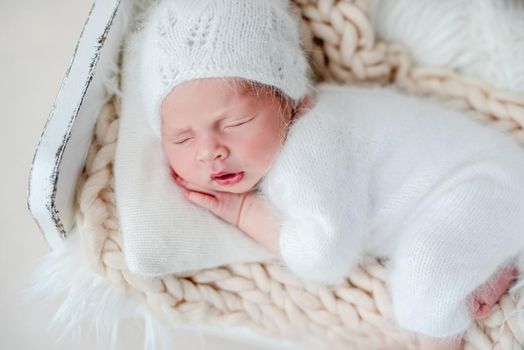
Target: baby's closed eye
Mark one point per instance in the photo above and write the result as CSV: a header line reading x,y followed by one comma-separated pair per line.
x,y
241,122
182,141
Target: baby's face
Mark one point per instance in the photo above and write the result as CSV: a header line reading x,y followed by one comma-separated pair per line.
x,y
209,129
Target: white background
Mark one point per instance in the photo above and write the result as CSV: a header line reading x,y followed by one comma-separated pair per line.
x,y
37,41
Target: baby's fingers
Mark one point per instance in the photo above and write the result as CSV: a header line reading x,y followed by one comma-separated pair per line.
x,y
204,200
187,185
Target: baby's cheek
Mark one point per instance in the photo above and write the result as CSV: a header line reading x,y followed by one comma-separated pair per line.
x,y
260,152
180,163
266,143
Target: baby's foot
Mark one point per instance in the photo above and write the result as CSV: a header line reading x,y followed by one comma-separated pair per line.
x,y
488,294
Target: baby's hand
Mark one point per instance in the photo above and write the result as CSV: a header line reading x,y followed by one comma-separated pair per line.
x,y
246,211
227,206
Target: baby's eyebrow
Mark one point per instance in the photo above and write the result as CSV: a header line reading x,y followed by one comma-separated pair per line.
x,y
180,131
171,130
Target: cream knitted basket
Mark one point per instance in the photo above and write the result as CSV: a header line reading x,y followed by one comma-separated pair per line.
x,y
265,297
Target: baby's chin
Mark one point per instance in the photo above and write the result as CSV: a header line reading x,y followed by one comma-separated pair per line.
x,y
240,188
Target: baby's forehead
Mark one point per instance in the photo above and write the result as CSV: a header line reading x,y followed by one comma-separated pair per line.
x,y
250,96
245,87
242,88
221,97
234,89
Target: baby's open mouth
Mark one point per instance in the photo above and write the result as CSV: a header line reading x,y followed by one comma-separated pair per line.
x,y
225,176
229,178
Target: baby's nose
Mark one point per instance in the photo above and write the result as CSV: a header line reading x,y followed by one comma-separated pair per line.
x,y
212,153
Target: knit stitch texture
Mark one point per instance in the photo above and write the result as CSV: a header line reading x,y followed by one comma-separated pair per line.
x,y
373,172
250,39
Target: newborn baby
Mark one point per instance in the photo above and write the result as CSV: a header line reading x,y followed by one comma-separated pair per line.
x,y
323,178
343,185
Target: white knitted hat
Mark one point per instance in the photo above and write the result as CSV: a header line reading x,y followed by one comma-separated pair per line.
x,y
256,40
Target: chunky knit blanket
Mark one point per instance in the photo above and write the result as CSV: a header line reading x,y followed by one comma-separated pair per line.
x,y
265,297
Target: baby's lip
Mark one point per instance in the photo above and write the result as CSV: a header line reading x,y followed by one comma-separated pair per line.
x,y
230,179
220,173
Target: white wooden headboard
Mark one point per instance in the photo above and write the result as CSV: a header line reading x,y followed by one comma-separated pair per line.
x,y
65,140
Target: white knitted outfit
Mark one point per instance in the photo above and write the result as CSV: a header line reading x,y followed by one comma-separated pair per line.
x,y
441,196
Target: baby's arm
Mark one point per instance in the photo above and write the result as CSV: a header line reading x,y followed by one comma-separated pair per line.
x,y
258,222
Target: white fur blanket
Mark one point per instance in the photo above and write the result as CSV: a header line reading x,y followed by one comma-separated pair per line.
x,y
481,39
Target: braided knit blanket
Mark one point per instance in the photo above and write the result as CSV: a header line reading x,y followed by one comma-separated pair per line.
x,y
264,296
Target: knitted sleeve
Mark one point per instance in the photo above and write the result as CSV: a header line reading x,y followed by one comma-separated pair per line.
x,y
321,228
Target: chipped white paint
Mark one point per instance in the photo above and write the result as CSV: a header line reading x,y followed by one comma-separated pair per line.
x,y
64,143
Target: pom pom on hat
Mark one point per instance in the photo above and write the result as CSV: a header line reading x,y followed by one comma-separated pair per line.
x,y
256,40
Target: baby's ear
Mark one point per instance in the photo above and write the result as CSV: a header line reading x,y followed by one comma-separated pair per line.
x,y
308,101
304,105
